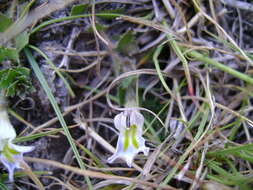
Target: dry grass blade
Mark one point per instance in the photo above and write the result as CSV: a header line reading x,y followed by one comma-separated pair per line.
x,y
224,32
81,54
148,23
32,18
67,186
96,174
235,113
106,183
68,110
238,4
29,172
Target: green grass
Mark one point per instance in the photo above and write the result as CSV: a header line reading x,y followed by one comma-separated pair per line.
x,y
52,100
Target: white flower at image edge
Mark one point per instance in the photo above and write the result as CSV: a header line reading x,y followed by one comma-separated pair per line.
x,y
11,155
130,141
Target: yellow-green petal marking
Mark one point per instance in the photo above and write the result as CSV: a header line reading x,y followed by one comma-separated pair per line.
x,y
9,152
126,139
133,135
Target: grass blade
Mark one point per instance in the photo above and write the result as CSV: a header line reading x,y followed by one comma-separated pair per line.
x,y
56,108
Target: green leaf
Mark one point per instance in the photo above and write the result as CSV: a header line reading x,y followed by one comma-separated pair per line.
x,y
231,150
225,176
3,187
5,22
110,14
9,54
78,9
13,53
21,41
99,27
127,44
15,81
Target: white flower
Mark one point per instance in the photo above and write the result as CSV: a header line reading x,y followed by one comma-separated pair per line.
x,y
130,140
6,129
11,155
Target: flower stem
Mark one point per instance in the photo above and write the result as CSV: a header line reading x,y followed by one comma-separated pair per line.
x,y
130,97
2,101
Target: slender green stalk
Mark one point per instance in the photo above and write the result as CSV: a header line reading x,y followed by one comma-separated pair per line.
x,y
158,70
180,55
231,150
52,21
56,108
36,136
55,69
200,57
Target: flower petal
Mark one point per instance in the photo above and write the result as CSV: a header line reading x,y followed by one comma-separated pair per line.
x,y
129,161
136,118
120,121
130,141
10,166
142,147
7,131
12,155
119,149
21,149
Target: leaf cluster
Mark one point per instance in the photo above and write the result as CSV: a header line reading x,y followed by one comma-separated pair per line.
x,y
15,81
